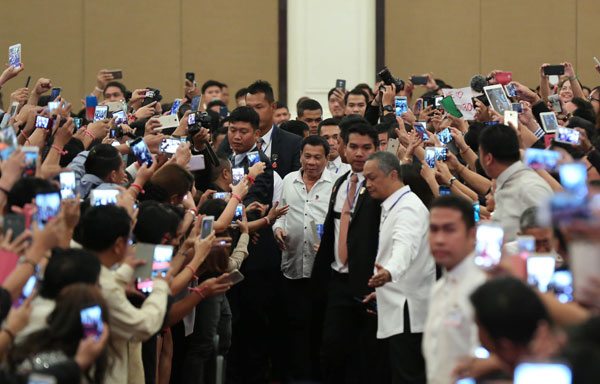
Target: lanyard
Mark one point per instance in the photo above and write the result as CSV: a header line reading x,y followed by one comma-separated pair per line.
x,y
393,205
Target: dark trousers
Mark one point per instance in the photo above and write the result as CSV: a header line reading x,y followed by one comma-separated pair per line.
x,y
406,358
259,339
213,317
350,351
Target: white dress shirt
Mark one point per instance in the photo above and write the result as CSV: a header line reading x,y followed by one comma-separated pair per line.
x,y
450,331
337,167
342,193
266,147
297,261
404,252
517,188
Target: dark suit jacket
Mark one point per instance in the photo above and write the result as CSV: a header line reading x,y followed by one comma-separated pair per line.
x,y
363,240
285,151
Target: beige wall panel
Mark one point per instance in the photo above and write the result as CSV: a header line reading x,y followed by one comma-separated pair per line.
x,y
141,37
231,41
588,41
424,37
519,36
51,35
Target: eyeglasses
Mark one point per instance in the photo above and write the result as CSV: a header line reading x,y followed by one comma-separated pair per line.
x,y
590,98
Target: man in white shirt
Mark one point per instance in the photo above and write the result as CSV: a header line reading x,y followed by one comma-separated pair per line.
x,y
517,187
404,270
329,130
450,330
307,193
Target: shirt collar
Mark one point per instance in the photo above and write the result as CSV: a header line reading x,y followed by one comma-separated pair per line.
x,y
267,136
460,271
508,172
391,199
325,177
337,162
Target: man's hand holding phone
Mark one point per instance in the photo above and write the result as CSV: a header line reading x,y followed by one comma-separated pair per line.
x,y
202,247
146,111
215,286
381,277
104,77
9,73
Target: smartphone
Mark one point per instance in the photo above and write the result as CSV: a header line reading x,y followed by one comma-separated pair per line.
x,y
253,158
196,103
540,268
90,107
476,212
235,277
191,119
196,163
48,206
237,175
36,378
556,70
503,77
418,105
27,290
555,102
573,177
567,136
116,73
158,261
31,157
207,226
526,244
223,111
175,106
517,107
100,112
562,286
488,248
54,93
421,127
418,80
435,153
547,373
438,101
190,76
392,146
445,190
221,195
536,158
511,90
68,186
91,321
103,197
511,118
497,98
77,122
401,104
239,212
43,122
448,105
340,84
444,136
14,55
169,145
141,152
549,122
14,107
14,221
120,117
53,106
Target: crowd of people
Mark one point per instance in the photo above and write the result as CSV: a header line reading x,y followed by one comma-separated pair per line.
x,y
393,242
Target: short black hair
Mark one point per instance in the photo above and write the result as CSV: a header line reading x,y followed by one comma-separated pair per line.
x,y
119,85
502,142
315,141
363,130
102,160
279,104
246,115
330,121
365,87
509,309
347,121
383,128
101,226
241,93
218,102
357,92
25,189
585,110
261,86
296,127
459,204
212,207
215,171
66,267
154,221
210,83
308,105
330,93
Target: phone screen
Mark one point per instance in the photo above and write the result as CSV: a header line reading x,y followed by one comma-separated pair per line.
x,y
31,157
239,211
27,291
54,93
120,117
340,84
562,286
103,197
237,175
196,103
221,195
101,112
445,190
526,244
36,378
175,107
169,145
435,153
511,90
141,152
421,127
48,206
42,122
68,186
14,55
549,122
161,262
488,249
444,136
540,269
401,105
511,118
547,373
517,107
207,226
536,158
253,158
567,135
476,212
91,321
573,177
498,99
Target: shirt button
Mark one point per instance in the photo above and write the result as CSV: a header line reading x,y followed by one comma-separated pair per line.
x,y
304,227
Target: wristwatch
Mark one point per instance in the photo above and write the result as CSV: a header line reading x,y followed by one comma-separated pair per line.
x,y
388,108
451,181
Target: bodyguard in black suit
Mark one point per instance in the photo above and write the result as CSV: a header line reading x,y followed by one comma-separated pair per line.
x,y
282,147
350,351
